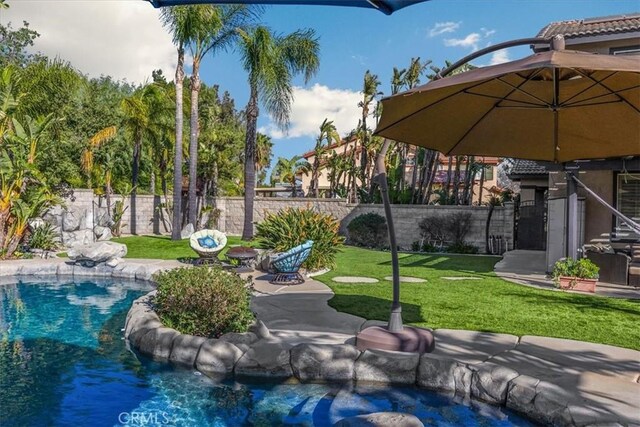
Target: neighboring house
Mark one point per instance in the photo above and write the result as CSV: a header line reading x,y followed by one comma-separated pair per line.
x,y
345,148
617,181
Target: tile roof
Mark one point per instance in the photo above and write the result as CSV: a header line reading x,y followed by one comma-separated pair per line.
x,y
615,24
527,168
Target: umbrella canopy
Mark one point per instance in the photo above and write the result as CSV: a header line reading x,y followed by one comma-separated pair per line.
x,y
385,6
557,106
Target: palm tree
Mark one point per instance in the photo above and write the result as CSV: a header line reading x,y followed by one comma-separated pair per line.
x,y
287,170
264,148
94,142
271,61
175,20
211,29
369,92
329,134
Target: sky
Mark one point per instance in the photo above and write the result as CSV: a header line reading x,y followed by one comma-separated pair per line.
x,y
125,39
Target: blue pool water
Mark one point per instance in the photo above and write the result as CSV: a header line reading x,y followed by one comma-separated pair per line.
x,y
63,362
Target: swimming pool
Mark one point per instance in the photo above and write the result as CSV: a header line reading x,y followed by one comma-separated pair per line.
x,y
63,362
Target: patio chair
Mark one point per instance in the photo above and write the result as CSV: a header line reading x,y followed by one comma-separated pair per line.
x,y
208,244
287,264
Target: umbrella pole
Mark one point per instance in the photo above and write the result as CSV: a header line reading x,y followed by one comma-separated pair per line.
x,y
395,318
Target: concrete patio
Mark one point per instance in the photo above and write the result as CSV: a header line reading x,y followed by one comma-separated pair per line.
x,y
598,383
528,268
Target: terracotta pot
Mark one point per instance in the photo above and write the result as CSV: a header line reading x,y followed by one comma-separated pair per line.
x,y
578,284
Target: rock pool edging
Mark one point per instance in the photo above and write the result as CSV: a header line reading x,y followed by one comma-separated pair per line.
x,y
257,354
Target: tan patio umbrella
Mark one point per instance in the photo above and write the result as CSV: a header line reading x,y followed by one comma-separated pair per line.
x,y
557,106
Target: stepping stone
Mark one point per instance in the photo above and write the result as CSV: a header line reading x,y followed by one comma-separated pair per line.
x,y
354,279
462,278
407,279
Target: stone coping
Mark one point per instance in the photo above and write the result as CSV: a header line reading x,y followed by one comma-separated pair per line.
x,y
261,354
127,269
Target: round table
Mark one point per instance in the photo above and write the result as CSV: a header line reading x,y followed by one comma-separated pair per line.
x,y
245,257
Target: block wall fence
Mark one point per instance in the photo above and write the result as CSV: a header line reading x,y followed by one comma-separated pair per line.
x,y
145,217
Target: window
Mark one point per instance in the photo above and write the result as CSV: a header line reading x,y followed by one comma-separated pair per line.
x,y
488,173
627,50
627,200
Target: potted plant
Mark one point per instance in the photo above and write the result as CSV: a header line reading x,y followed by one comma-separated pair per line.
x,y
576,275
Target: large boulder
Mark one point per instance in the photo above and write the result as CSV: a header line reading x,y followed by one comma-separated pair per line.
x,y
71,219
444,374
381,419
54,216
97,252
265,359
391,367
103,218
324,362
80,237
185,349
490,382
187,231
241,340
217,357
157,342
102,233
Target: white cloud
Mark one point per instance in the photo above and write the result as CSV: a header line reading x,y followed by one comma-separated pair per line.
x,y
471,40
124,39
312,105
487,33
499,57
443,27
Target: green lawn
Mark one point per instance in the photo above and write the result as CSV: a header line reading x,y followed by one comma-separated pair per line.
x,y
490,304
162,247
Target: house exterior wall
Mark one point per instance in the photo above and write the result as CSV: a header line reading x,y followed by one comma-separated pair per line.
x,y
528,187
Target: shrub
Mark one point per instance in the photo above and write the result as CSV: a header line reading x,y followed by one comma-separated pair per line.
x,y
291,227
44,237
368,230
582,269
203,301
462,248
451,228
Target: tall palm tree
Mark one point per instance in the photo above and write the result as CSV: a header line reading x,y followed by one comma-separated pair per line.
x,y
212,28
175,19
287,170
369,93
329,134
271,61
264,148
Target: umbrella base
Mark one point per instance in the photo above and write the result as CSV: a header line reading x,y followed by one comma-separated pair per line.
x,y
410,339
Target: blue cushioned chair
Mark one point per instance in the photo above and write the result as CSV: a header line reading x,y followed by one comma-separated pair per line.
x,y
287,264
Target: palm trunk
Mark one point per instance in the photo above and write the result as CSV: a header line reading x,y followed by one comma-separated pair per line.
x,y
448,185
250,164
135,172
480,190
177,158
456,182
434,171
193,143
152,183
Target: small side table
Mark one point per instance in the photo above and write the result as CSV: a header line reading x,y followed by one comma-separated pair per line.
x,y
245,257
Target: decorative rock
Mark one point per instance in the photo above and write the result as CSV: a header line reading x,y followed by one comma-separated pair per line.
x,y
38,269
217,357
354,279
97,252
260,329
104,219
443,374
387,367
35,223
326,362
54,216
113,262
102,233
80,237
71,219
185,348
489,382
265,359
241,340
406,279
187,231
539,400
381,419
157,342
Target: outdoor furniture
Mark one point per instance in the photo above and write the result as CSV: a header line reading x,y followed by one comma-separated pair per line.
x,y
245,257
198,242
287,264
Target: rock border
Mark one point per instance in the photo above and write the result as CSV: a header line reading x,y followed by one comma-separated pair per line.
x,y
258,354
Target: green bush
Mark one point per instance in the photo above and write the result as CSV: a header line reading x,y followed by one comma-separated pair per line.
x,y
44,237
291,227
582,269
462,248
368,230
203,301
